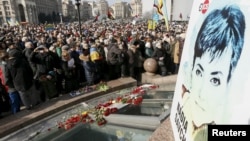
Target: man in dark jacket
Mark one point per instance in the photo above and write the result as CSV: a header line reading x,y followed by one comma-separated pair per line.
x,y
114,54
18,75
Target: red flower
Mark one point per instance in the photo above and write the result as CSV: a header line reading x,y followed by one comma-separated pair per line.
x,y
101,122
106,112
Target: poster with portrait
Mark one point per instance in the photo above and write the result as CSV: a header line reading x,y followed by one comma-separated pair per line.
x,y
214,74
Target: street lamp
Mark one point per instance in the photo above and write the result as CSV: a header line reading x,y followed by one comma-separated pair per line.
x,y
78,10
60,14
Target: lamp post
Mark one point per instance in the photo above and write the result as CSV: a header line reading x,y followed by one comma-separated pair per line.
x,y
78,10
60,14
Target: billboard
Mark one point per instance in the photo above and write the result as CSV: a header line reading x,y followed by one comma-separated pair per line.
x,y
214,75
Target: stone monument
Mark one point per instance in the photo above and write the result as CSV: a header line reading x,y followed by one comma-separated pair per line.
x,y
150,65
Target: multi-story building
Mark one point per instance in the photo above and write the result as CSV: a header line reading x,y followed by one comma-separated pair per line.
x,y
136,6
47,10
31,11
15,11
68,9
103,7
120,9
86,9
7,12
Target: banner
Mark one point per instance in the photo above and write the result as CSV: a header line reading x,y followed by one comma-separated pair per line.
x,y
156,18
214,75
158,5
49,27
151,24
165,12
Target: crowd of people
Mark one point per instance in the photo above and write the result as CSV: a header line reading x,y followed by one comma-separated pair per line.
x,y
38,64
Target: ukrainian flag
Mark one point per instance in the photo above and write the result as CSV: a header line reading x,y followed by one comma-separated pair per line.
x,y
165,12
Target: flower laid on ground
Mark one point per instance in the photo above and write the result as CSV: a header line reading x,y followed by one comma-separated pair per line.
x,y
97,114
102,86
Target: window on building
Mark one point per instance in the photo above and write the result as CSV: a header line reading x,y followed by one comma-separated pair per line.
x,y
1,13
5,2
7,13
6,7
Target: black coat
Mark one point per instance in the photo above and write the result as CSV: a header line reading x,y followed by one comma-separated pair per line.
x,y
113,54
159,52
45,62
18,74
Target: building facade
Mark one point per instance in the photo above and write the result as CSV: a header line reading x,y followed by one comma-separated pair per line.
x,y
103,7
120,9
86,9
6,11
136,6
29,11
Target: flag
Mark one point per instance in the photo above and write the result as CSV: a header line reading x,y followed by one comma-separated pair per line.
x,y
165,13
156,17
110,16
180,15
97,16
130,8
158,5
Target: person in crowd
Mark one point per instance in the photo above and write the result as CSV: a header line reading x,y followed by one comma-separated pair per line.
x,y
19,76
69,72
75,51
114,58
46,61
29,48
42,42
178,53
159,55
5,101
96,58
148,48
89,67
135,61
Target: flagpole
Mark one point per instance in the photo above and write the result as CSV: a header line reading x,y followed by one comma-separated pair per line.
x,y
152,17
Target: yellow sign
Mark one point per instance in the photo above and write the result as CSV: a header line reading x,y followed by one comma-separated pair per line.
x,y
151,24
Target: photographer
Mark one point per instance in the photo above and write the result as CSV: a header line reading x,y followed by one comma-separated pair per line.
x,y
47,63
